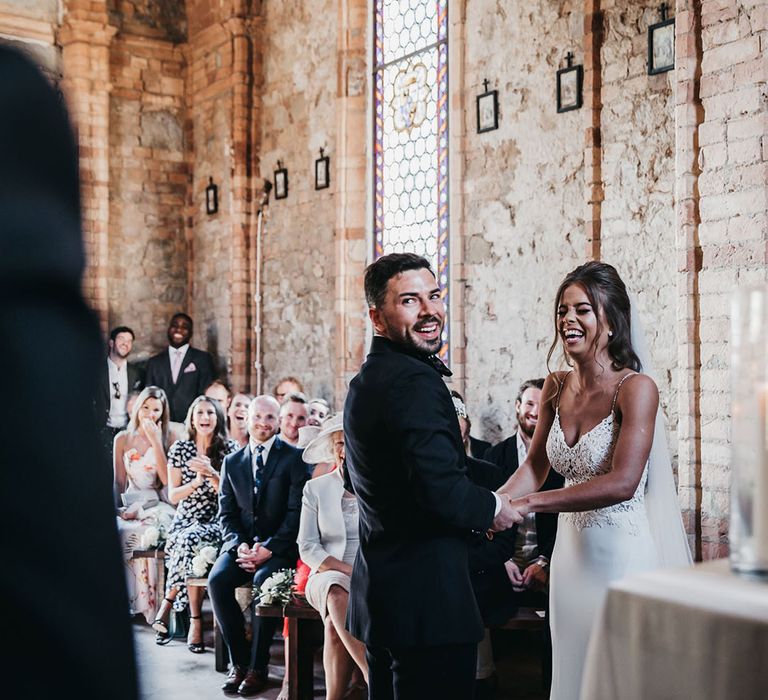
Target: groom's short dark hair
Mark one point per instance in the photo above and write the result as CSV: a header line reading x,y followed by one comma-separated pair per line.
x,y
378,273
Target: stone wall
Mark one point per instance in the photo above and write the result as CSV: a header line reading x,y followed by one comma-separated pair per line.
x,y
638,171
299,118
523,199
149,177
30,26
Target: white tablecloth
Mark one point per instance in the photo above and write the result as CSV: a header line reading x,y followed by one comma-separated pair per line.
x,y
699,633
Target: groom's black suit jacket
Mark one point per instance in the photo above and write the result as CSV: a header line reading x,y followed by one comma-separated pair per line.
x,y
410,582
189,384
272,516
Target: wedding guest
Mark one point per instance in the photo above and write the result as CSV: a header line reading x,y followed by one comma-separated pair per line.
x,y
319,409
287,385
117,378
293,415
328,542
193,473
237,418
218,389
140,474
180,370
474,447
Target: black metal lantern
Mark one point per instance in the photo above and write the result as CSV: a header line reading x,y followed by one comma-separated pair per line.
x,y
211,197
281,181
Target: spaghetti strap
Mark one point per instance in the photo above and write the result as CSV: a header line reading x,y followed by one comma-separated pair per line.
x,y
618,386
560,389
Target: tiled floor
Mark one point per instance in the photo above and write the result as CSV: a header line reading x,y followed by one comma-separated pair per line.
x,y
172,672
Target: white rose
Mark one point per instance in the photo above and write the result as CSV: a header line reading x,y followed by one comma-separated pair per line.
x,y
199,566
209,554
150,537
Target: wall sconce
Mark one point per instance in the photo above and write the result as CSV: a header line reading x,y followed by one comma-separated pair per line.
x,y
281,181
661,44
211,197
487,105
569,84
322,171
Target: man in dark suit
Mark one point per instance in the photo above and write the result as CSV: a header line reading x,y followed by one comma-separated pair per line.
x,y
411,600
529,570
59,528
116,380
259,508
182,371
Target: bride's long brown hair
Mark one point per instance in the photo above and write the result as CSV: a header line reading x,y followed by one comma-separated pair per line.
x,y
605,290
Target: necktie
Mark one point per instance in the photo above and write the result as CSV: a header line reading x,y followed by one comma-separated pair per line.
x,y
176,365
259,469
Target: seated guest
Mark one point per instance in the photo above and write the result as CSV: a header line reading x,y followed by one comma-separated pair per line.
x,y
219,390
237,418
259,508
193,472
293,415
140,475
328,542
318,411
287,385
473,446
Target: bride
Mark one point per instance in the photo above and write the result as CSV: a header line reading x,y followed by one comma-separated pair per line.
x,y
597,426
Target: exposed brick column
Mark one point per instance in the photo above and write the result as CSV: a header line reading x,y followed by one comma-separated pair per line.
x,y
593,39
85,37
730,250
244,34
350,162
688,117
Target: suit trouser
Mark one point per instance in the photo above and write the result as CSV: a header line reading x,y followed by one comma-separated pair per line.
x,y
415,673
224,578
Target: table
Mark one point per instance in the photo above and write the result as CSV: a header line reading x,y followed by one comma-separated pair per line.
x,y
681,634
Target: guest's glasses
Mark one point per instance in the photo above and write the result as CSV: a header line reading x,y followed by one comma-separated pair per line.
x,y
116,385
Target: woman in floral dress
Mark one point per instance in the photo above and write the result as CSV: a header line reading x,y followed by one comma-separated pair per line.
x,y
141,475
193,476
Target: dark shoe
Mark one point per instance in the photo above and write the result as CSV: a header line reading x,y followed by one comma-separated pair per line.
x,y
162,638
196,647
254,682
234,679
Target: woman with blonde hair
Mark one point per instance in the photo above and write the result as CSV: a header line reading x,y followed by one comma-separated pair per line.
x,y
141,476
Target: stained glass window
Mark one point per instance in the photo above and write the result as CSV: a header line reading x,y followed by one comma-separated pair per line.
x,y
411,133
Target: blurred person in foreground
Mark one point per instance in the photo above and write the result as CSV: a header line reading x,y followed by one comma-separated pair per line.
x,y
77,635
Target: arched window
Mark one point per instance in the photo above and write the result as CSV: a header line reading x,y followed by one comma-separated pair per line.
x,y
410,96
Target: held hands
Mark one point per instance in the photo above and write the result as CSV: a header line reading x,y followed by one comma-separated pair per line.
x,y
511,513
534,578
251,558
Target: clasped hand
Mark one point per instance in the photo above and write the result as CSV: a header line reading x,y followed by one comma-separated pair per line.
x,y
534,577
251,558
201,465
512,512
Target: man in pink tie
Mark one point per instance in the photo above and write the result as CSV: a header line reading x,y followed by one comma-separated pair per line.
x,y
182,371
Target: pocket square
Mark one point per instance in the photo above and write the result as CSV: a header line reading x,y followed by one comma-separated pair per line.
x,y
190,368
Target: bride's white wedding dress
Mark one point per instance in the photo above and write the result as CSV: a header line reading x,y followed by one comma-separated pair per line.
x,y
593,548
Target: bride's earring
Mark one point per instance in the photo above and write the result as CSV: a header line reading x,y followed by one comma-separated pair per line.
x,y
610,334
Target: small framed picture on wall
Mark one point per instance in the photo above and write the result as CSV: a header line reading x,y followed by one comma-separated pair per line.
x,y
661,46
487,110
569,83
281,181
322,171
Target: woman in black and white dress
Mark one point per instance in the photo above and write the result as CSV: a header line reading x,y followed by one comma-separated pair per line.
x,y
193,476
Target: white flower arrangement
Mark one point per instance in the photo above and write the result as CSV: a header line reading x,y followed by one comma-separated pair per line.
x,y
150,538
278,588
205,555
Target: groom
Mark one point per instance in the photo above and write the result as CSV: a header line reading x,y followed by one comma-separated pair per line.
x,y
259,508
411,600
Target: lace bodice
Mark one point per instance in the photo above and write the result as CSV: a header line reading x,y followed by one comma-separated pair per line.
x,y
591,456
